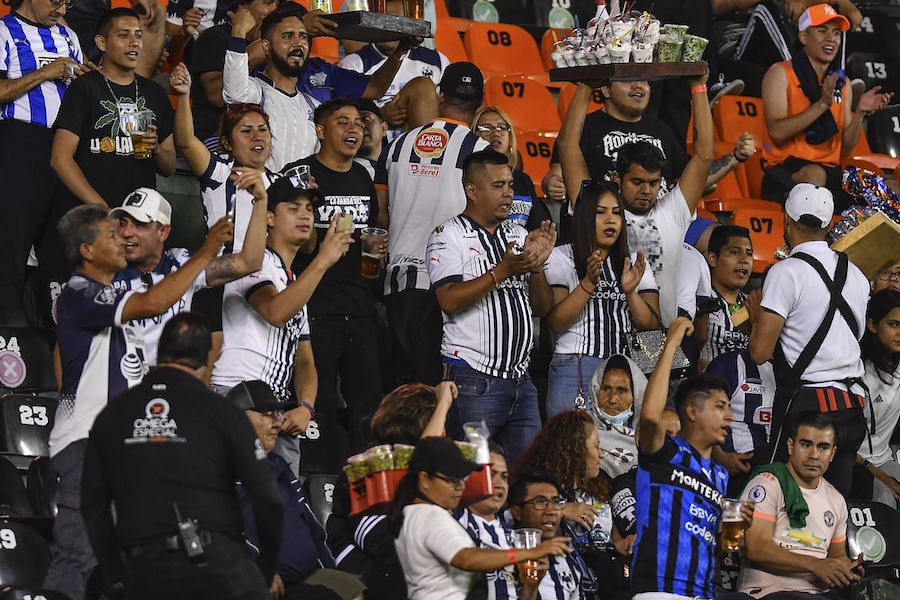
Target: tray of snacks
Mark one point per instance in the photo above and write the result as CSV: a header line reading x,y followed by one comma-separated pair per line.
x,y
372,27
629,46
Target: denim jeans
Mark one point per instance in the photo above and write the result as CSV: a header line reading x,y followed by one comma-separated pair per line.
x,y
563,381
508,406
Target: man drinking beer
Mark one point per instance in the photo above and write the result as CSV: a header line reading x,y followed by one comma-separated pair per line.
x,y
342,309
680,489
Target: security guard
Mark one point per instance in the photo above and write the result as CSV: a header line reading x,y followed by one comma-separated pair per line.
x,y
809,321
168,453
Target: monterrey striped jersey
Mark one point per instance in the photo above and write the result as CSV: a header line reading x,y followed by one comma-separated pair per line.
x,y
252,348
751,388
424,181
493,336
722,336
501,584
25,48
679,498
605,320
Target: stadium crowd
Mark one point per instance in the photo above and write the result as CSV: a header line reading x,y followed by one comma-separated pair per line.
x,y
377,268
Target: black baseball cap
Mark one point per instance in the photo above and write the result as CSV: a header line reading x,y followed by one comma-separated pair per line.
x,y
257,395
441,454
285,190
367,105
458,80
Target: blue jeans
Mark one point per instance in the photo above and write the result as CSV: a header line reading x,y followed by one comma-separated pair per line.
x,y
563,381
508,406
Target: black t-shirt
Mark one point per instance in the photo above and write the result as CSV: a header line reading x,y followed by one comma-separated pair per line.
x,y
201,445
343,290
208,56
603,135
105,153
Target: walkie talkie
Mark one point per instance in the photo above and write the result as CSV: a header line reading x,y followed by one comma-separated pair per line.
x,y
190,537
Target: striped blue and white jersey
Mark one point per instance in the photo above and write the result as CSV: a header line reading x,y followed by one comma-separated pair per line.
x,y
252,348
751,388
722,336
679,506
601,328
424,182
501,584
495,335
130,278
24,48
562,581
101,356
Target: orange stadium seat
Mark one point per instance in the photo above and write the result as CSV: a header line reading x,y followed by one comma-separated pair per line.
x,y
502,49
730,205
447,40
766,231
550,37
327,48
535,147
528,103
727,187
567,92
733,115
459,24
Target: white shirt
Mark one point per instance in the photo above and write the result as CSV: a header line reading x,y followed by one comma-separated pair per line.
x,y
290,115
794,290
606,319
252,348
659,234
424,171
495,335
561,582
501,584
428,541
418,62
130,279
882,410
695,280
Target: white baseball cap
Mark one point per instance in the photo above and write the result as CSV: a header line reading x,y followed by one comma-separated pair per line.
x,y
145,205
807,199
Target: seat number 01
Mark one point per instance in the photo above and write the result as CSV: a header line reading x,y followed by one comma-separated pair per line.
x,y
33,415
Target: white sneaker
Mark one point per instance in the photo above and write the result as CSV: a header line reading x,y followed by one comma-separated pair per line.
x,y
723,88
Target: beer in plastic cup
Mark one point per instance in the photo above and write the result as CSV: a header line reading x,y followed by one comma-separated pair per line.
x,y
357,5
528,538
732,525
372,238
414,9
299,176
378,6
136,124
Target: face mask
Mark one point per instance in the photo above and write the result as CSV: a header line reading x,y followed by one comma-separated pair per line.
x,y
619,419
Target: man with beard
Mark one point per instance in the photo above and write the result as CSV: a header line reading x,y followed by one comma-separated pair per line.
x,y
286,46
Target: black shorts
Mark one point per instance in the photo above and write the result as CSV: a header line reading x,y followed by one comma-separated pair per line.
x,y
778,181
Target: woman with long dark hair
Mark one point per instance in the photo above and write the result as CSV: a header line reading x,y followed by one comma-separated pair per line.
x,y
599,291
438,557
881,358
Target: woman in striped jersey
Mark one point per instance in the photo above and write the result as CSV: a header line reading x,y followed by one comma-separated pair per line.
x,y
598,292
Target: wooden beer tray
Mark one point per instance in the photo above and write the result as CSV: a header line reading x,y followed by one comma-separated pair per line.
x,y
629,71
873,246
365,26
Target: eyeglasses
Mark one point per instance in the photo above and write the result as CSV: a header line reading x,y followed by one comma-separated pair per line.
x,y
889,276
499,128
598,185
147,279
456,482
541,503
275,415
60,3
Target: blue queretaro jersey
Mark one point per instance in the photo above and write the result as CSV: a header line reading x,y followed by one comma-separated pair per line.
x,y
679,499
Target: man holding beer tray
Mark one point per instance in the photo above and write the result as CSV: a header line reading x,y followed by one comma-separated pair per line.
x,y
796,546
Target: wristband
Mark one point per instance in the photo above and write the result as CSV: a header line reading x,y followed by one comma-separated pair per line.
x,y
494,277
581,285
698,89
309,407
512,556
734,154
866,464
